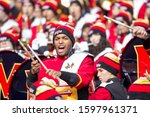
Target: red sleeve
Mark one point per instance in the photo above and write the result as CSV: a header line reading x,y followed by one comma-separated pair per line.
x,y
50,63
100,94
85,72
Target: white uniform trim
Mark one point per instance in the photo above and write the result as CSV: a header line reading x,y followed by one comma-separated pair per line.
x,y
86,18
119,46
73,63
104,84
108,49
7,25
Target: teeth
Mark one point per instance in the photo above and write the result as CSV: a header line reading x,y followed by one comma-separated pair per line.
x,y
61,47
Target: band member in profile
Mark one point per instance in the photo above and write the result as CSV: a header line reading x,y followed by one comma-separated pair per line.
x,y
110,88
69,73
123,33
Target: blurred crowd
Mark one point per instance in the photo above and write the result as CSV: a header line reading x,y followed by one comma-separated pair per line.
x,y
33,22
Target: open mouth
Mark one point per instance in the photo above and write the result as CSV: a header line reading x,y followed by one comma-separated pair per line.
x,y
61,48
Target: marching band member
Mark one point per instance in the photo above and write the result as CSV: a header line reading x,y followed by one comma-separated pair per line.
x,y
82,44
98,39
110,88
141,28
80,15
69,74
124,34
139,89
25,19
127,6
99,44
49,13
8,40
5,22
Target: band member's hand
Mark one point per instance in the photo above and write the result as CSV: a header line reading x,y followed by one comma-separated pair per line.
x,y
35,67
54,73
140,32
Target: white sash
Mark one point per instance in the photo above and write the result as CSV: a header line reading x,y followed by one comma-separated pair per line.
x,y
73,63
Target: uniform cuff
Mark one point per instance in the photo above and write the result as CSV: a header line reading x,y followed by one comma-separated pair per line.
x,y
71,78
